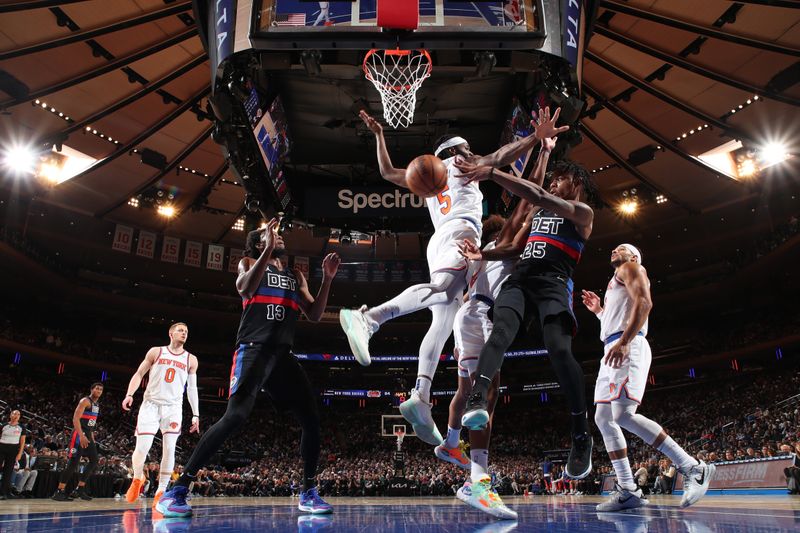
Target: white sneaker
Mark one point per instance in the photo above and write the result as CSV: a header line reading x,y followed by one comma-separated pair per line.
x,y
418,413
622,499
358,331
696,482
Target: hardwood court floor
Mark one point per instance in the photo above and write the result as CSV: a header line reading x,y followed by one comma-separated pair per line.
x,y
717,514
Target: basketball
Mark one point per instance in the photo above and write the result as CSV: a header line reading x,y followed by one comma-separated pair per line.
x,y
426,176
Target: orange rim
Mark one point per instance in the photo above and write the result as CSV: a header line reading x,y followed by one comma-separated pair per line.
x,y
396,52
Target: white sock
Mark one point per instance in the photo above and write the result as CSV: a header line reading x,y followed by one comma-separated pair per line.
x,y
480,464
678,455
163,481
453,434
622,467
423,386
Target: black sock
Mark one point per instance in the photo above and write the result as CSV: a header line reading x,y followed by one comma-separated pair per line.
x,y
309,483
185,480
580,424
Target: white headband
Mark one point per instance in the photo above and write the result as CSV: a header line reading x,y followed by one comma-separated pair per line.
x,y
633,250
449,143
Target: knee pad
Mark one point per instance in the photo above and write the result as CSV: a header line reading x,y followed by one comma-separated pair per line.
x,y
641,426
609,429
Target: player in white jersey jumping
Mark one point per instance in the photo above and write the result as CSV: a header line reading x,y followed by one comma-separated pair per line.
x,y
171,370
488,269
622,380
456,214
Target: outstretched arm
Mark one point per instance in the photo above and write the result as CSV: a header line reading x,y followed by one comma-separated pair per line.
x,y
388,172
138,376
251,272
192,396
577,212
544,128
314,307
510,234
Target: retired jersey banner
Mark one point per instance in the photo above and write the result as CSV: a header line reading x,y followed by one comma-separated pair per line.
x,y
123,239
170,249
193,253
216,255
147,244
233,261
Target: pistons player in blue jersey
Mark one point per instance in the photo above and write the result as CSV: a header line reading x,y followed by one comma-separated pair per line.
x,y
540,291
81,444
272,298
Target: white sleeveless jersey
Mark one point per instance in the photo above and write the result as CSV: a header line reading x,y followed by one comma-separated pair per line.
x,y
617,306
167,378
457,200
486,277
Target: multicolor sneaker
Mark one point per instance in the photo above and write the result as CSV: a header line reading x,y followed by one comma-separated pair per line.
x,y
358,331
312,502
465,492
695,482
483,497
622,499
134,490
173,504
476,413
418,413
453,455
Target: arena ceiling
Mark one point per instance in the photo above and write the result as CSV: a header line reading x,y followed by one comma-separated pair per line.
x,y
665,81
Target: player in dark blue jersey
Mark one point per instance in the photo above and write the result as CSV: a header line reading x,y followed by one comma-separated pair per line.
x,y
81,444
272,298
540,289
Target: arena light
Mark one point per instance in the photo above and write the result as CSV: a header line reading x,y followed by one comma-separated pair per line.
x,y
747,168
56,167
773,153
166,211
239,224
133,202
20,159
628,207
661,199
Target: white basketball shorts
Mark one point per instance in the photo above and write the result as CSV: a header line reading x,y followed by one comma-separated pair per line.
x,y
630,379
154,417
443,253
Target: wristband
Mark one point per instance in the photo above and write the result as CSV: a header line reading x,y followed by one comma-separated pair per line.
x,y
195,416
129,395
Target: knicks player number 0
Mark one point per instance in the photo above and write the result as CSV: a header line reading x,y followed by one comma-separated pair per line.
x,y
534,249
169,375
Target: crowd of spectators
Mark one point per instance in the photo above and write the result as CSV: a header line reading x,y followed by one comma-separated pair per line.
x,y
750,417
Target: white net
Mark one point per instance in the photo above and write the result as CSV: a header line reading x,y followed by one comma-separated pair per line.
x,y
398,74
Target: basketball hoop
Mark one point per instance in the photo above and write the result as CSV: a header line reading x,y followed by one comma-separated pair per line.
x,y
398,74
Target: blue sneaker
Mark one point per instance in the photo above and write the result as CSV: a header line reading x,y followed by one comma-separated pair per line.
x,y
173,503
311,502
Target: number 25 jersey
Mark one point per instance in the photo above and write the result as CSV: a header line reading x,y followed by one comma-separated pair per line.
x,y
269,317
554,245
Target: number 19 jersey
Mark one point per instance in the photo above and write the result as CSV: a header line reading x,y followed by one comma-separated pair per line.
x,y
167,378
